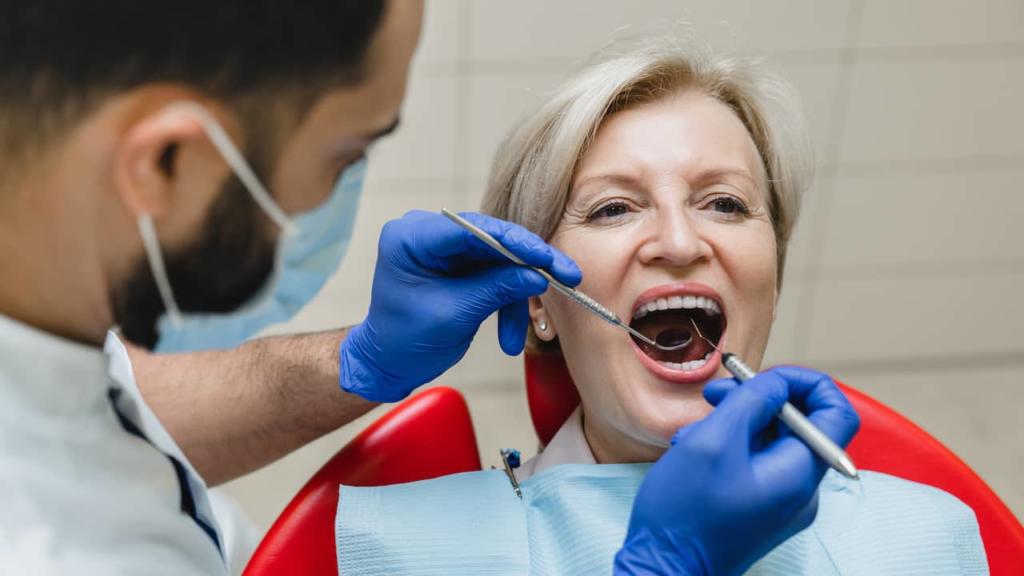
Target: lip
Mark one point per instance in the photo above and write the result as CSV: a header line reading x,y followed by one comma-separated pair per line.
x,y
678,289
705,372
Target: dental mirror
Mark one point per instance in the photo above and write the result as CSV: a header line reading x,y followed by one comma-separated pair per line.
x,y
673,339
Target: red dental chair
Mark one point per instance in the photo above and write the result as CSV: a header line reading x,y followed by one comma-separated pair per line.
x,y
404,445
427,436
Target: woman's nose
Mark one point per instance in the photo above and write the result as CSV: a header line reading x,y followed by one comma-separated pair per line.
x,y
674,240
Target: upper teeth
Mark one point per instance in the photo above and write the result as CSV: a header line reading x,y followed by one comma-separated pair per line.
x,y
677,303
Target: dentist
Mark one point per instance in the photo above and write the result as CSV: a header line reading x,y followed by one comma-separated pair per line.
x,y
175,177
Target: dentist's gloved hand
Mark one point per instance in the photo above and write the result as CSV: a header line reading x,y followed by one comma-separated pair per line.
x,y
434,284
725,495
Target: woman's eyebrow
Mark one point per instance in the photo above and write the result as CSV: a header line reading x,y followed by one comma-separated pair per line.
x,y
623,180
698,179
720,173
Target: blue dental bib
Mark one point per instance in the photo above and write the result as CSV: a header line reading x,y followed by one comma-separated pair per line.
x,y
572,519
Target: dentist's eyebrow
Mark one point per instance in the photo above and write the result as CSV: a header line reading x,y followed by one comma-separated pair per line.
x,y
385,131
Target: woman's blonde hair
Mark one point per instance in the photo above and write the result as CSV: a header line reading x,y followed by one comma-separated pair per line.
x,y
535,165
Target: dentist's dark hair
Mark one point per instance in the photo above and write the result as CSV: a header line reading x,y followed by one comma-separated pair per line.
x,y
60,59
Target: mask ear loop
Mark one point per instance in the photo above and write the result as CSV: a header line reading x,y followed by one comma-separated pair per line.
x,y
234,159
156,264
222,142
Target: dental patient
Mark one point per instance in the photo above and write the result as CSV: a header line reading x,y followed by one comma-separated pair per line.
x,y
673,178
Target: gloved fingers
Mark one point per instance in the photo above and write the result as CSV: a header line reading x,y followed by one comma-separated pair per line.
x,y
716,390
513,321
529,247
790,468
436,243
754,403
480,295
817,395
806,514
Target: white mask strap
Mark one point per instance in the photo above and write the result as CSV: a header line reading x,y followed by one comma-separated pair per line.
x,y
222,142
156,265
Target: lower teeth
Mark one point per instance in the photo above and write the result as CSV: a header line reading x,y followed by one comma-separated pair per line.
x,y
691,365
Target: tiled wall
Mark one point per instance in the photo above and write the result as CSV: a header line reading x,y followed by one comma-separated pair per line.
x,y
906,276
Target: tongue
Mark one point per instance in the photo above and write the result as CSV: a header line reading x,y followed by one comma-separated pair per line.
x,y
666,327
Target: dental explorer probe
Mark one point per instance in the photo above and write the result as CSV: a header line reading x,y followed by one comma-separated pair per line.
x,y
573,294
815,439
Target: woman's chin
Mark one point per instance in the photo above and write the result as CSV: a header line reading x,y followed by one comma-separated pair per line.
x,y
665,416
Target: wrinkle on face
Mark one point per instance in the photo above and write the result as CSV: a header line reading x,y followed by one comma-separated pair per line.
x,y
666,163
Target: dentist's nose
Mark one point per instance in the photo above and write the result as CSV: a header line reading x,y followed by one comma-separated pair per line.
x,y
674,240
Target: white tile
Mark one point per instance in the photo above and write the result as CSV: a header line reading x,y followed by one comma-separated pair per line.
x,y
784,345
476,188
803,244
804,26
975,412
496,104
941,22
424,146
958,219
541,30
818,87
935,110
883,318
439,39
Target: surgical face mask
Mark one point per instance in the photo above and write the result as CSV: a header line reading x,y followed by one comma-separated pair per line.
x,y
309,250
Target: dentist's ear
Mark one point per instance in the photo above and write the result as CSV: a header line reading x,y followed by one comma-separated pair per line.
x,y
164,164
543,327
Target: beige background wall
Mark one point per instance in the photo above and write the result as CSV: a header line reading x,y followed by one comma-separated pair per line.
x,y
906,276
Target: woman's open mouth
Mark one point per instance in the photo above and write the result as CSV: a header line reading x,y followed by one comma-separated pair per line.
x,y
667,315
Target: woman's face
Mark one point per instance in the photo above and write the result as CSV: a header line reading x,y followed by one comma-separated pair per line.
x,y
667,218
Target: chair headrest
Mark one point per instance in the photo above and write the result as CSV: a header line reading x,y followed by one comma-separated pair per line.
x,y
550,392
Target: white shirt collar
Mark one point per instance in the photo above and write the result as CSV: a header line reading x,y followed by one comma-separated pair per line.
x,y
569,446
34,370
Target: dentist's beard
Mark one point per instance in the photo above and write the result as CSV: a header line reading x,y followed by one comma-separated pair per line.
x,y
222,270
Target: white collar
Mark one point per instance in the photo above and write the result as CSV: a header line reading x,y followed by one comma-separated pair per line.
x,y
569,446
49,374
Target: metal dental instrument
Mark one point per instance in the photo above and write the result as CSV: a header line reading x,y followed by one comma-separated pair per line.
x,y
815,439
573,294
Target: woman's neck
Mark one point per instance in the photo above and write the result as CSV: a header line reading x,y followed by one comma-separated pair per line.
x,y
610,446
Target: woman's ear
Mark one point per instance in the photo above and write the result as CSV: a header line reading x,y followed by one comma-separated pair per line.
x,y
543,327
775,302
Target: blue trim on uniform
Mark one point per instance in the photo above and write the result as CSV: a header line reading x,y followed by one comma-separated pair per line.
x,y
188,502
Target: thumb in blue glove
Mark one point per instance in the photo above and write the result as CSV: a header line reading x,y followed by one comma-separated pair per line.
x,y
434,284
723,496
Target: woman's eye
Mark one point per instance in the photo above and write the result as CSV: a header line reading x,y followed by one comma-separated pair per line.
x,y
728,206
609,211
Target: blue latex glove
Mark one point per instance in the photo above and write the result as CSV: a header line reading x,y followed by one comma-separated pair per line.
x,y
433,285
725,495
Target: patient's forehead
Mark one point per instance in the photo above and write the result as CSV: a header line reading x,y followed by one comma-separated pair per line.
x,y
682,135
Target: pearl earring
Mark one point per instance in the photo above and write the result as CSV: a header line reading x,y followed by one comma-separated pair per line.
x,y
543,326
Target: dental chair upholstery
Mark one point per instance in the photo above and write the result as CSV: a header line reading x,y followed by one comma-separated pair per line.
x,y
427,436
431,435
887,442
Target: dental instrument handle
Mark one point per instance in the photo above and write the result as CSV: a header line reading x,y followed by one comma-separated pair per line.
x,y
815,439
573,294
595,307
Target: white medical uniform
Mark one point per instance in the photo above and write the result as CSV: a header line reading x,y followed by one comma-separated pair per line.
x,y
79,492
